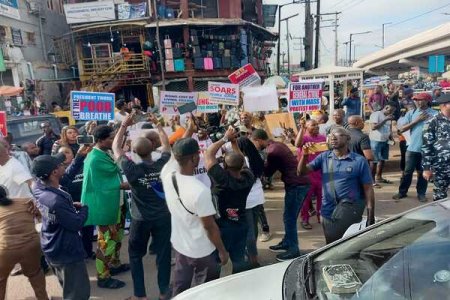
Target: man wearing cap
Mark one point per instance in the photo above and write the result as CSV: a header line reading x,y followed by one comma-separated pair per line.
x,y
436,149
195,234
46,141
414,121
353,104
62,220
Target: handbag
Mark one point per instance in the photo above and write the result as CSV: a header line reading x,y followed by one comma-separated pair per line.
x,y
208,63
167,42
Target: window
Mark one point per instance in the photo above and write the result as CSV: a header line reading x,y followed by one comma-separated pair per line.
x,y
203,9
16,36
31,38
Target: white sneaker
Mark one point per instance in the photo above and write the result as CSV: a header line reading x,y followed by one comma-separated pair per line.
x,y
265,236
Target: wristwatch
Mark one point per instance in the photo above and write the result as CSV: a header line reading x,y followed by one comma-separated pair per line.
x,y
225,139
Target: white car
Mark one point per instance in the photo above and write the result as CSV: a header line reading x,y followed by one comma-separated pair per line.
x,y
403,257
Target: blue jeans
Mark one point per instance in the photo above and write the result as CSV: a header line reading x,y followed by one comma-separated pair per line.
x,y
413,163
293,201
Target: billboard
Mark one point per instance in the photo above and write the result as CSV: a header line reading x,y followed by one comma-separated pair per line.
x,y
89,12
9,8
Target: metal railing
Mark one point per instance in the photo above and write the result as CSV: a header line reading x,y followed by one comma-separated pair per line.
x,y
128,63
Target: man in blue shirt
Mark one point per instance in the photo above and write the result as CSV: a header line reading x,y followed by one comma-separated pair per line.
x,y
414,121
347,185
353,104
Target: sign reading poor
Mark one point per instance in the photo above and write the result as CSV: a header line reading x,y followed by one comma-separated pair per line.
x,y
305,96
92,106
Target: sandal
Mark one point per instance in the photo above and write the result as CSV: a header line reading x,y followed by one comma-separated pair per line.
x,y
376,186
110,283
383,180
306,225
120,269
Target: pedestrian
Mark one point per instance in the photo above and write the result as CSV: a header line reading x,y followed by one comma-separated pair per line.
x,y
352,104
246,120
436,149
195,234
121,114
339,120
347,186
68,138
436,92
31,149
231,186
380,135
46,141
309,134
150,215
62,219
19,241
377,100
414,121
105,208
280,158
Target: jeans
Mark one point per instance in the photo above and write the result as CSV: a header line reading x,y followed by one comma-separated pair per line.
x,y
234,237
140,232
293,201
261,217
413,163
252,232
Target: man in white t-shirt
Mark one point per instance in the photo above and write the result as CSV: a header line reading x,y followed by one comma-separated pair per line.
x,y
121,114
380,134
195,234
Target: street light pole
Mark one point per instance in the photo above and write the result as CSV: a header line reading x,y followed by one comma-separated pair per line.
x,y
279,32
382,26
288,43
350,44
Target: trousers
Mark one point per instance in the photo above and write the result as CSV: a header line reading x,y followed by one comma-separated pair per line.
x,y
413,163
441,183
74,280
293,200
316,190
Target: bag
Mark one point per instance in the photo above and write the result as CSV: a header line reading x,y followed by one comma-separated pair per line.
x,y
194,40
235,62
198,63
168,53
162,11
221,45
208,63
217,61
167,42
177,51
170,13
226,62
227,53
196,51
179,65
209,54
169,65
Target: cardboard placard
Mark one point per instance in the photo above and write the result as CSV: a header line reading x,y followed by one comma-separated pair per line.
x,y
170,100
223,93
274,121
3,125
204,105
304,96
88,106
245,76
261,98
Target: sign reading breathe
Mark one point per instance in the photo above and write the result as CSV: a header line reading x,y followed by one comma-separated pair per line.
x,y
88,106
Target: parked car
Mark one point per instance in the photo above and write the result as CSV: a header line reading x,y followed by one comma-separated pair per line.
x,y
27,128
403,257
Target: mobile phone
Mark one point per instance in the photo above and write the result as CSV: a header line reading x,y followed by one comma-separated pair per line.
x,y
85,139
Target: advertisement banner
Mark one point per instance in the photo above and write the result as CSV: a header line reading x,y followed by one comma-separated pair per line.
x,y
245,76
127,11
223,93
304,96
88,106
170,100
204,105
3,128
10,9
89,12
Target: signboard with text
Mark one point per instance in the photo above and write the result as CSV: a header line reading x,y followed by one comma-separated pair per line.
x,y
10,8
204,105
3,128
436,63
88,106
89,12
170,100
223,93
304,96
245,76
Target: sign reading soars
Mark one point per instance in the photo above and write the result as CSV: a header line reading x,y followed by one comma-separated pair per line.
x,y
92,106
204,105
245,76
223,93
170,100
89,12
305,96
3,129
9,8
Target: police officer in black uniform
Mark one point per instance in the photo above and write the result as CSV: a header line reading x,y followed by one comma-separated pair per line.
x,y
436,149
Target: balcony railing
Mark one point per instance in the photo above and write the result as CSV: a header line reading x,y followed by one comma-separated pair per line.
x,y
113,65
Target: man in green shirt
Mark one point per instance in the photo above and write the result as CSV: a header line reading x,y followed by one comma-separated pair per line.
x,y
102,185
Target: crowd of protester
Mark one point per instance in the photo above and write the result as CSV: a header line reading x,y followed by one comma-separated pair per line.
x,y
201,199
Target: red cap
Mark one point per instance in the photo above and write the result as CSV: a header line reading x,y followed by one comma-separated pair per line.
x,y
423,96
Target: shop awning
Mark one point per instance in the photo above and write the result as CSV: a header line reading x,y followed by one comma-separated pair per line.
x,y
6,90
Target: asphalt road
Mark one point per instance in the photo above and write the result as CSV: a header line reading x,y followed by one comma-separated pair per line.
x,y
19,287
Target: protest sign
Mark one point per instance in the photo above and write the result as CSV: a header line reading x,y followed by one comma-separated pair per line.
x,y
170,100
223,93
276,122
3,128
245,76
204,105
304,96
88,106
262,98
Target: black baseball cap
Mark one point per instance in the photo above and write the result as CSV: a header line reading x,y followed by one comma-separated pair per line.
x,y
44,165
185,147
444,98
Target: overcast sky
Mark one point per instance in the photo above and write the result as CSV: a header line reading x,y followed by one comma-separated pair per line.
x,y
360,16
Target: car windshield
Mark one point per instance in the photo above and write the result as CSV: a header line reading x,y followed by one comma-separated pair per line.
x,y
406,258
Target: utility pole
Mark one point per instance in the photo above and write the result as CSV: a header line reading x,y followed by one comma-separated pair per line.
x,y
308,35
350,42
382,32
335,25
288,41
300,44
346,51
158,43
316,48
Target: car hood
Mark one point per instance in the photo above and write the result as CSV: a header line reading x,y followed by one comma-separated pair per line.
x,y
261,283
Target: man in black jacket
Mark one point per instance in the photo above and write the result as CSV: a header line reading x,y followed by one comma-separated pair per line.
x,y
61,222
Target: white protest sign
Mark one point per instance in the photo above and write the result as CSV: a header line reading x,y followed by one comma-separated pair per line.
x,y
261,98
223,93
170,100
204,105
